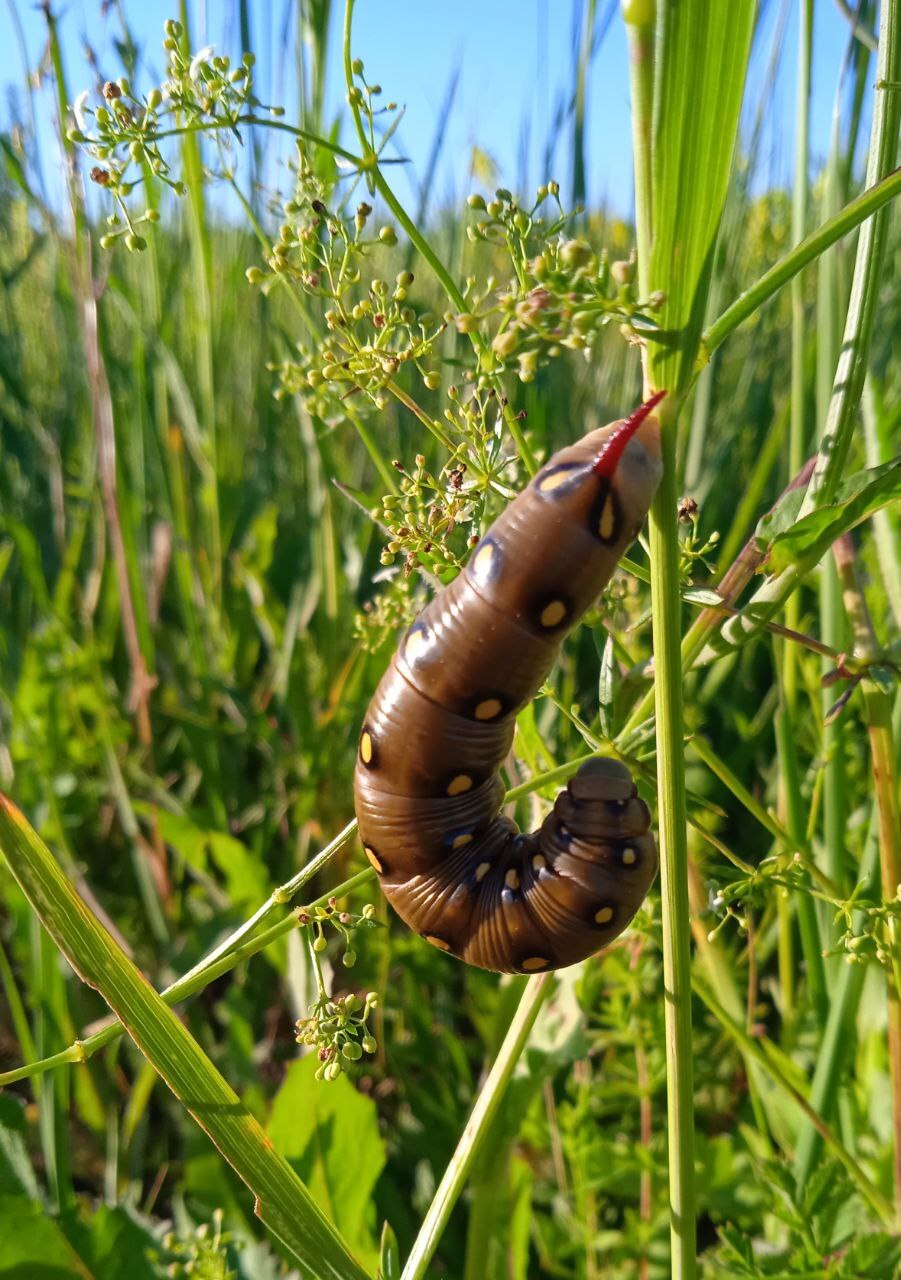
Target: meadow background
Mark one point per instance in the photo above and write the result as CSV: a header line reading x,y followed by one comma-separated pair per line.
x,y
201,582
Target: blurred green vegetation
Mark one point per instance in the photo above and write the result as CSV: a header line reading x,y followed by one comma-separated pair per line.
x,y
194,612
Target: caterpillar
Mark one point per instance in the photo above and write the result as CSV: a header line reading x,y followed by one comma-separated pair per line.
x,y
427,788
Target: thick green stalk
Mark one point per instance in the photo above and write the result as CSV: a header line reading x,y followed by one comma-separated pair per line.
x,y
477,1129
667,610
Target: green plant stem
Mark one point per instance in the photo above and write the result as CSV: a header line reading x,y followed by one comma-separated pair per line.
x,y
852,215
847,386
839,1033
199,978
477,1128
667,608
878,718
282,1202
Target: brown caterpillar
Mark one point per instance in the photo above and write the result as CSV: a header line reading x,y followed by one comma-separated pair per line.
x,y
427,789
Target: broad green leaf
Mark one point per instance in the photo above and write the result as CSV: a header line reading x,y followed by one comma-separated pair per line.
x,y
329,1133
33,1245
702,52
790,540
244,875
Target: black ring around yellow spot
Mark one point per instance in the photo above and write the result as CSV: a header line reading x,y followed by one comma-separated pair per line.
x,y
458,785
485,562
629,856
488,709
604,915
553,613
367,749
558,478
533,963
605,517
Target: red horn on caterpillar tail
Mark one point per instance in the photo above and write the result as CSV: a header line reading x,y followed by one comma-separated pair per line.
x,y
427,788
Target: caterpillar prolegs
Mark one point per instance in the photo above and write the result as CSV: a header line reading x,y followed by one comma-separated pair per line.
x,y
427,789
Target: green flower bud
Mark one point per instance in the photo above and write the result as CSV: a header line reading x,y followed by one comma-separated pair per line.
x,y
357,66
75,135
102,116
639,13
151,215
494,208
154,98
575,253
622,272
475,201
135,242
349,959
388,236
466,323
369,1044
404,279
355,97
432,381
319,943
254,275
107,242
553,188
504,344
351,1051
333,1071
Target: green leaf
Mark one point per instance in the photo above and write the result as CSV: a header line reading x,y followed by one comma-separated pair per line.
x,y
244,876
282,1202
389,1255
789,540
34,1247
703,57
329,1133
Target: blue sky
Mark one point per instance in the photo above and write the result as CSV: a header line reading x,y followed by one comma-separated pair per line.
x,y
515,61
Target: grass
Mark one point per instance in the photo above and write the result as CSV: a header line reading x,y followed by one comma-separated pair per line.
x,y
220,499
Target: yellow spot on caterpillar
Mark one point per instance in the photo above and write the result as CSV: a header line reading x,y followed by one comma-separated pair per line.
x,y
481,561
511,879
370,854
458,785
459,841
481,871
554,480
604,916
488,709
534,962
437,942
416,644
629,856
553,613
607,522
366,748
539,862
